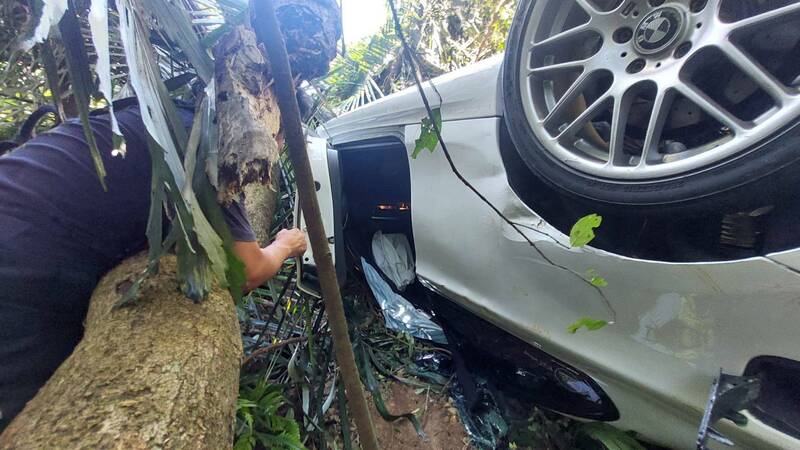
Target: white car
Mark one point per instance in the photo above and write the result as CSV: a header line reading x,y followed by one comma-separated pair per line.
x,y
677,122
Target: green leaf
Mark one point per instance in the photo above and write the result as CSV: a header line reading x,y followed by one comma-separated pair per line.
x,y
588,323
207,236
155,225
200,251
152,267
245,442
595,279
364,356
612,438
82,86
174,20
583,231
427,137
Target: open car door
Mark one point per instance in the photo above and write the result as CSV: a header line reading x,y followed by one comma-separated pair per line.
x,y
325,168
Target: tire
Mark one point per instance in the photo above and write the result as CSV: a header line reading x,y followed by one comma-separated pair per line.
x,y
764,169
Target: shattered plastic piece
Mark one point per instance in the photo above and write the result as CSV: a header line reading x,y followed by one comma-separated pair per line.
x,y
484,422
400,315
392,254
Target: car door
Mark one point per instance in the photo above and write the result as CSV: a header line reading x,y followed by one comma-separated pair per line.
x,y
325,169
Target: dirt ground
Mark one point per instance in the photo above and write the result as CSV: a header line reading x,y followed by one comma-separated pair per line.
x,y
438,417
436,414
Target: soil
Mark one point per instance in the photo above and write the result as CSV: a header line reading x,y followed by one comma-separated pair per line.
x,y
436,414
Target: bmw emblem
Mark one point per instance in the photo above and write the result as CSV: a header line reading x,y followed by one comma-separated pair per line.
x,y
658,30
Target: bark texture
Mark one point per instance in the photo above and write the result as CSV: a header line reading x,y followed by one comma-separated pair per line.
x,y
162,373
260,203
247,113
311,30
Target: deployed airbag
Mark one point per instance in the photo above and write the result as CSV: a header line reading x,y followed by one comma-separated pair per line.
x,y
392,254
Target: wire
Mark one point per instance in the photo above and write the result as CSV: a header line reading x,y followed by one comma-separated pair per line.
x,y
408,53
409,56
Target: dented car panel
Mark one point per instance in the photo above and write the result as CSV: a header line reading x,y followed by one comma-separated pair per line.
x,y
672,326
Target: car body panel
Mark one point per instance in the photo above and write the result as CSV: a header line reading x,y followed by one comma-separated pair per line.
x,y
459,91
674,324
317,149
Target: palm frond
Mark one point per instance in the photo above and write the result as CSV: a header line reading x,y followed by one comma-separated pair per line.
x,y
351,80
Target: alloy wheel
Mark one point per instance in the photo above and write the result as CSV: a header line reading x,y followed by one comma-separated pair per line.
x,y
641,90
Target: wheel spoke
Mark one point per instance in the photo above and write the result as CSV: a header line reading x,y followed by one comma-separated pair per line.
x,y
766,16
658,117
572,33
619,121
569,96
755,71
558,67
589,7
711,107
583,118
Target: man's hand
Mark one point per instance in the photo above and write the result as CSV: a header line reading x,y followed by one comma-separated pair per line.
x,y
292,241
261,264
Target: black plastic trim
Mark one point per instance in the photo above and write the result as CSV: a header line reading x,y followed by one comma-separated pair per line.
x,y
778,404
335,173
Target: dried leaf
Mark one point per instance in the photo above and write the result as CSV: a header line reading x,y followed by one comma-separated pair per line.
x,y
98,23
52,12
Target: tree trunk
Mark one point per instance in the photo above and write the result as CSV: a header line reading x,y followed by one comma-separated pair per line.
x,y
161,373
261,201
248,114
249,121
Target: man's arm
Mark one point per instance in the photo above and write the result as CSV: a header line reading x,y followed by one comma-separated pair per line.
x,y
261,264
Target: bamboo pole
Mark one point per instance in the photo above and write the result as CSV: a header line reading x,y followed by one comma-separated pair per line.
x,y
268,32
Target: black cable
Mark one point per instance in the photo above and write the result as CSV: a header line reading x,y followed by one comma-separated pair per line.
x,y
409,54
417,80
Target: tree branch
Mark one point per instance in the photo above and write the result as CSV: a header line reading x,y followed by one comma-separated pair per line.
x,y
269,33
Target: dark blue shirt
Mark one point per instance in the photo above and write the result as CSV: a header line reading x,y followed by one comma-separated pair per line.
x,y
59,234
59,229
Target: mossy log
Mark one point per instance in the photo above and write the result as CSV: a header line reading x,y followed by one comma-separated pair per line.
x,y
162,373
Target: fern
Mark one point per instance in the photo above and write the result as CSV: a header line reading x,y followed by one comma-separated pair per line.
x,y
263,417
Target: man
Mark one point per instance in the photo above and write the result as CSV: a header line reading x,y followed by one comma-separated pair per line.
x,y
60,233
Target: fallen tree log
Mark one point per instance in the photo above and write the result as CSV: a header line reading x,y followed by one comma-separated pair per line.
x,y
161,373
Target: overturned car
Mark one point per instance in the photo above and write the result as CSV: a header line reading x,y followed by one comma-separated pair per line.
x,y
674,121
